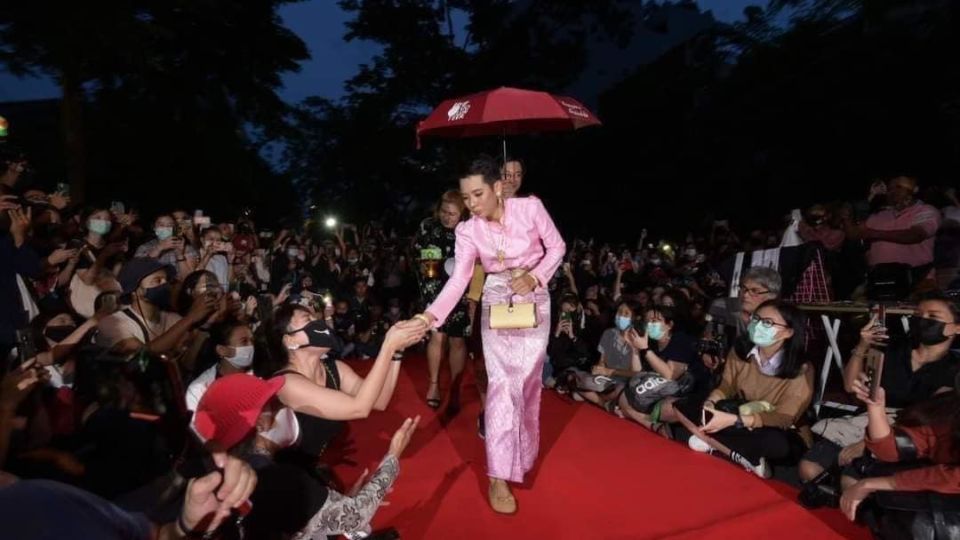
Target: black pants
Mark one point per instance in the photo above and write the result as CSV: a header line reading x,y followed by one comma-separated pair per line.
x,y
779,446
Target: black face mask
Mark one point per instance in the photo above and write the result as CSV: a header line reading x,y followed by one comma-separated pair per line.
x,y
158,296
925,331
58,333
318,335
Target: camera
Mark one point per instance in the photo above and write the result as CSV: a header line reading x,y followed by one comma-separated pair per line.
x,y
712,347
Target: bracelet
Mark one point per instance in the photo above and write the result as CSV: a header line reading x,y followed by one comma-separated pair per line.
x,y
185,531
423,318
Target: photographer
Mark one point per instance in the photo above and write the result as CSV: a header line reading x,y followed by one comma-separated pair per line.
x,y
567,348
148,320
216,256
918,454
17,261
758,285
914,370
169,247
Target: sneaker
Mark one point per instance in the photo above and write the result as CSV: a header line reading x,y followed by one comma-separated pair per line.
x,y
577,396
550,382
481,427
699,445
762,469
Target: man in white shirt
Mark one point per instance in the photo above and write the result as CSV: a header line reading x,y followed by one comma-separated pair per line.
x,y
147,321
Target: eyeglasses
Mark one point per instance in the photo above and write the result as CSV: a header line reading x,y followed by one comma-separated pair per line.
x,y
755,291
767,322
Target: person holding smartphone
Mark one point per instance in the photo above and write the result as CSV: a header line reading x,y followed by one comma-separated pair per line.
x,y
169,247
919,453
216,256
916,367
568,348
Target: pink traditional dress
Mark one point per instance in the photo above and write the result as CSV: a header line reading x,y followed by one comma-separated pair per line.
x,y
526,238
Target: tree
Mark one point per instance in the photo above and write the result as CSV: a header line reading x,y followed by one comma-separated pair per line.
x,y
367,140
166,82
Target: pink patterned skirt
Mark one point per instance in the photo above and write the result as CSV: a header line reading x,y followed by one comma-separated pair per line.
x,y
514,361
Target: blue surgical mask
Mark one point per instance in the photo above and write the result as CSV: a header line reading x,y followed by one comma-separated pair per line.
x,y
99,226
655,330
760,335
163,233
623,323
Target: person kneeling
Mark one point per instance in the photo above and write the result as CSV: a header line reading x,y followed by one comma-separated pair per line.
x,y
238,413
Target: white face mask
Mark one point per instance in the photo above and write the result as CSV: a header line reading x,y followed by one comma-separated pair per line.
x,y
242,357
285,430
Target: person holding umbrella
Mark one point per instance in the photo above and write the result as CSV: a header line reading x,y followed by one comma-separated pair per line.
x,y
520,248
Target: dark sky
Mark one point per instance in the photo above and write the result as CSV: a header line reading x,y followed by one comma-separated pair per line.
x,y
320,24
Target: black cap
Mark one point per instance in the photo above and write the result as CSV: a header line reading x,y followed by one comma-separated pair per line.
x,y
136,269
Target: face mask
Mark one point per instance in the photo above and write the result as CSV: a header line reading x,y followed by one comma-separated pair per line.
x,y
655,262
158,296
655,330
318,335
691,253
163,233
293,252
760,335
242,357
623,323
285,430
927,331
395,311
58,333
353,260
99,226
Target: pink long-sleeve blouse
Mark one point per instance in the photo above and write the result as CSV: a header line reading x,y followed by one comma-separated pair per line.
x,y
527,237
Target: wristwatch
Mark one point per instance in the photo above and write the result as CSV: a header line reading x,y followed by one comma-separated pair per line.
x,y
739,423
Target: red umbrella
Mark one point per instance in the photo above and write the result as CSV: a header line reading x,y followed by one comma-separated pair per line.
x,y
505,111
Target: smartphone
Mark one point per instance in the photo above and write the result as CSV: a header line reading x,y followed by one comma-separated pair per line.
x,y
106,302
880,312
117,207
264,307
201,221
566,316
874,370
63,189
26,348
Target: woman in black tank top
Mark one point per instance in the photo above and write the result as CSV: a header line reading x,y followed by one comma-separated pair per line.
x,y
324,393
317,433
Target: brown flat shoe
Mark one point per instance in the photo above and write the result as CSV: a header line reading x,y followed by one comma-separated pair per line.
x,y
502,504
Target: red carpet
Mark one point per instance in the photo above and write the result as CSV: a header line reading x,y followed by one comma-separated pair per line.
x,y
598,477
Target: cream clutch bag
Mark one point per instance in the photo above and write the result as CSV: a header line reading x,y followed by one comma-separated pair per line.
x,y
513,316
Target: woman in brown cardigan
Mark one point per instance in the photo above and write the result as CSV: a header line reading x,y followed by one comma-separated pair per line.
x,y
773,384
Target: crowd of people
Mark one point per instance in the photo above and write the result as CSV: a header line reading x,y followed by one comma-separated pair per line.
x,y
198,364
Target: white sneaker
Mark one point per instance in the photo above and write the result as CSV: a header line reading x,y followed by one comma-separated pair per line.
x,y
577,396
699,445
763,469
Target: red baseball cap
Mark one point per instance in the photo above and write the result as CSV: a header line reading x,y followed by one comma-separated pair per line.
x,y
229,409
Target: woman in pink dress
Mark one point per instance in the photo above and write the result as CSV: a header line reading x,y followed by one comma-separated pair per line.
x,y
520,249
